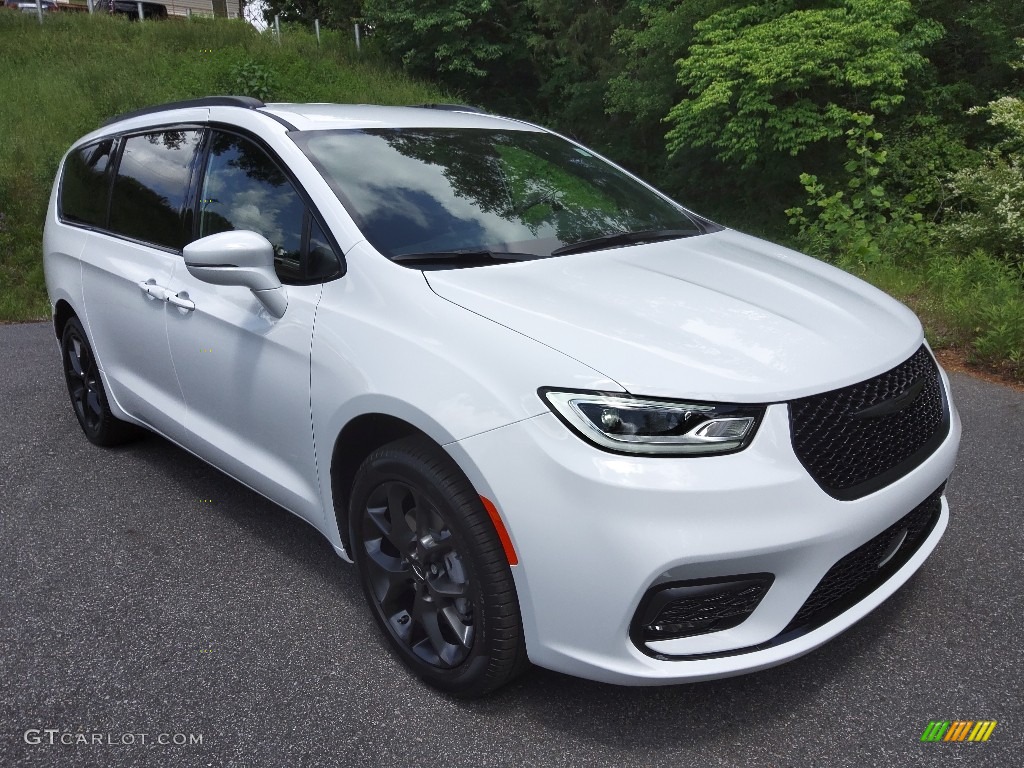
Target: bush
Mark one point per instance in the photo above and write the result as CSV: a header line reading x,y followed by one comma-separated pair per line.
x,y
252,79
966,297
981,302
991,193
859,225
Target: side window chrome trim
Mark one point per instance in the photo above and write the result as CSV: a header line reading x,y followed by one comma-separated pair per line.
x,y
127,239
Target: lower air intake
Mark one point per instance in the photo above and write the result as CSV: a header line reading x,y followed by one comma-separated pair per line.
x,y
685,609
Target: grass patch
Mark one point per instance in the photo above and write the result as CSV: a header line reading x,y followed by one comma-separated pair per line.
x,y
970,302
63,78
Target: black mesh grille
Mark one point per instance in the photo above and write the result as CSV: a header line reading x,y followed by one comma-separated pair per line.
x,y
685,609
858,574
851,451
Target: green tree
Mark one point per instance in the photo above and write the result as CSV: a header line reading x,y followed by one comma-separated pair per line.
x,y
778,77
336,14
652,36
972,60
476,46
572,49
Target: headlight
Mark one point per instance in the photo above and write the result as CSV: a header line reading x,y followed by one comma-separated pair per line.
x,y
627,424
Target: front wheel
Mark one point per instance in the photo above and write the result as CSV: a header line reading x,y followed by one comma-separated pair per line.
x,y
434,571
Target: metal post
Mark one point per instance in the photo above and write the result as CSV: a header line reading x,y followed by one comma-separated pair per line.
x,y
188,13
277,27
39,10
316,25
138,4
89,3
358,47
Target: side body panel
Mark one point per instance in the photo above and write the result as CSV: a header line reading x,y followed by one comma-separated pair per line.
x,y
127,328
245,378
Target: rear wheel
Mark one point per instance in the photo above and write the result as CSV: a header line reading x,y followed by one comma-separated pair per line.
x,y
433,570
85,388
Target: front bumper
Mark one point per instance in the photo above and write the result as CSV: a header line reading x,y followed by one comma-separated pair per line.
x,y
594,531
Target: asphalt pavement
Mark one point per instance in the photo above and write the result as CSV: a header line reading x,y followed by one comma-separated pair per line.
x,y
145,597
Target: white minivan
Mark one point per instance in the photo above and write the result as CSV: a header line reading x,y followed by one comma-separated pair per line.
x,y
551,415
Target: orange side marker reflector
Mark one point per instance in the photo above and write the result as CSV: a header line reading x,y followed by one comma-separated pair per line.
x,y
499,526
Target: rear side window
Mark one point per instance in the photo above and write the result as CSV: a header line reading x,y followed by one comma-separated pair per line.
x,y
86,184
151,186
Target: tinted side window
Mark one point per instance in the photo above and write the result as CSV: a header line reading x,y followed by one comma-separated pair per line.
x,y
151,185
244,189
86,184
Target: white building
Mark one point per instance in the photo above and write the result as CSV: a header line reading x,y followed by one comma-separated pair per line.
x,y
231,9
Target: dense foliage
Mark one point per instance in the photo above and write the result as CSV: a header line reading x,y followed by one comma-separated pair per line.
x,y
769,78
336,14
887,132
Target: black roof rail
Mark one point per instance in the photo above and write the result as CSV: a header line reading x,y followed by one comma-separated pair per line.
x,y
452,108
247,102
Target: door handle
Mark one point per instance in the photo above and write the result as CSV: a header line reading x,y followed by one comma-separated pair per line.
x,y
179,301
153,290
150,288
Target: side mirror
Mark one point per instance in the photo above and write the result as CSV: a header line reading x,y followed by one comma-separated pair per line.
x,y
239,257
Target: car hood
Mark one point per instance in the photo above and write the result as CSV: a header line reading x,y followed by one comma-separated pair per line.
x,y
722,316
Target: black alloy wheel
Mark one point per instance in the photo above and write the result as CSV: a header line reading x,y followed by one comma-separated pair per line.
x,y
85,388
433,570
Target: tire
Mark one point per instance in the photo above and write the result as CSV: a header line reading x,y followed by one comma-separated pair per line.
x,y
85,388
433,570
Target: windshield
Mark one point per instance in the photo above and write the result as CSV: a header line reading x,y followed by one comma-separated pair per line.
x,y
444,191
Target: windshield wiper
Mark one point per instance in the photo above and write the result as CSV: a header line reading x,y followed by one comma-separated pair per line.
x,y
625,238
481,254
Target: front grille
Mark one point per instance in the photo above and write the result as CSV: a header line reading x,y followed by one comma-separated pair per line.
x,y
859,573
851,446
685,609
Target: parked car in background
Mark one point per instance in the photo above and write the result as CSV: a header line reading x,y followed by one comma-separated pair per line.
x,y
130,8
29,6
550,413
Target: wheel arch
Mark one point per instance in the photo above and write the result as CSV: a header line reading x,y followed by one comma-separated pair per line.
x,y
358,439
62,312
